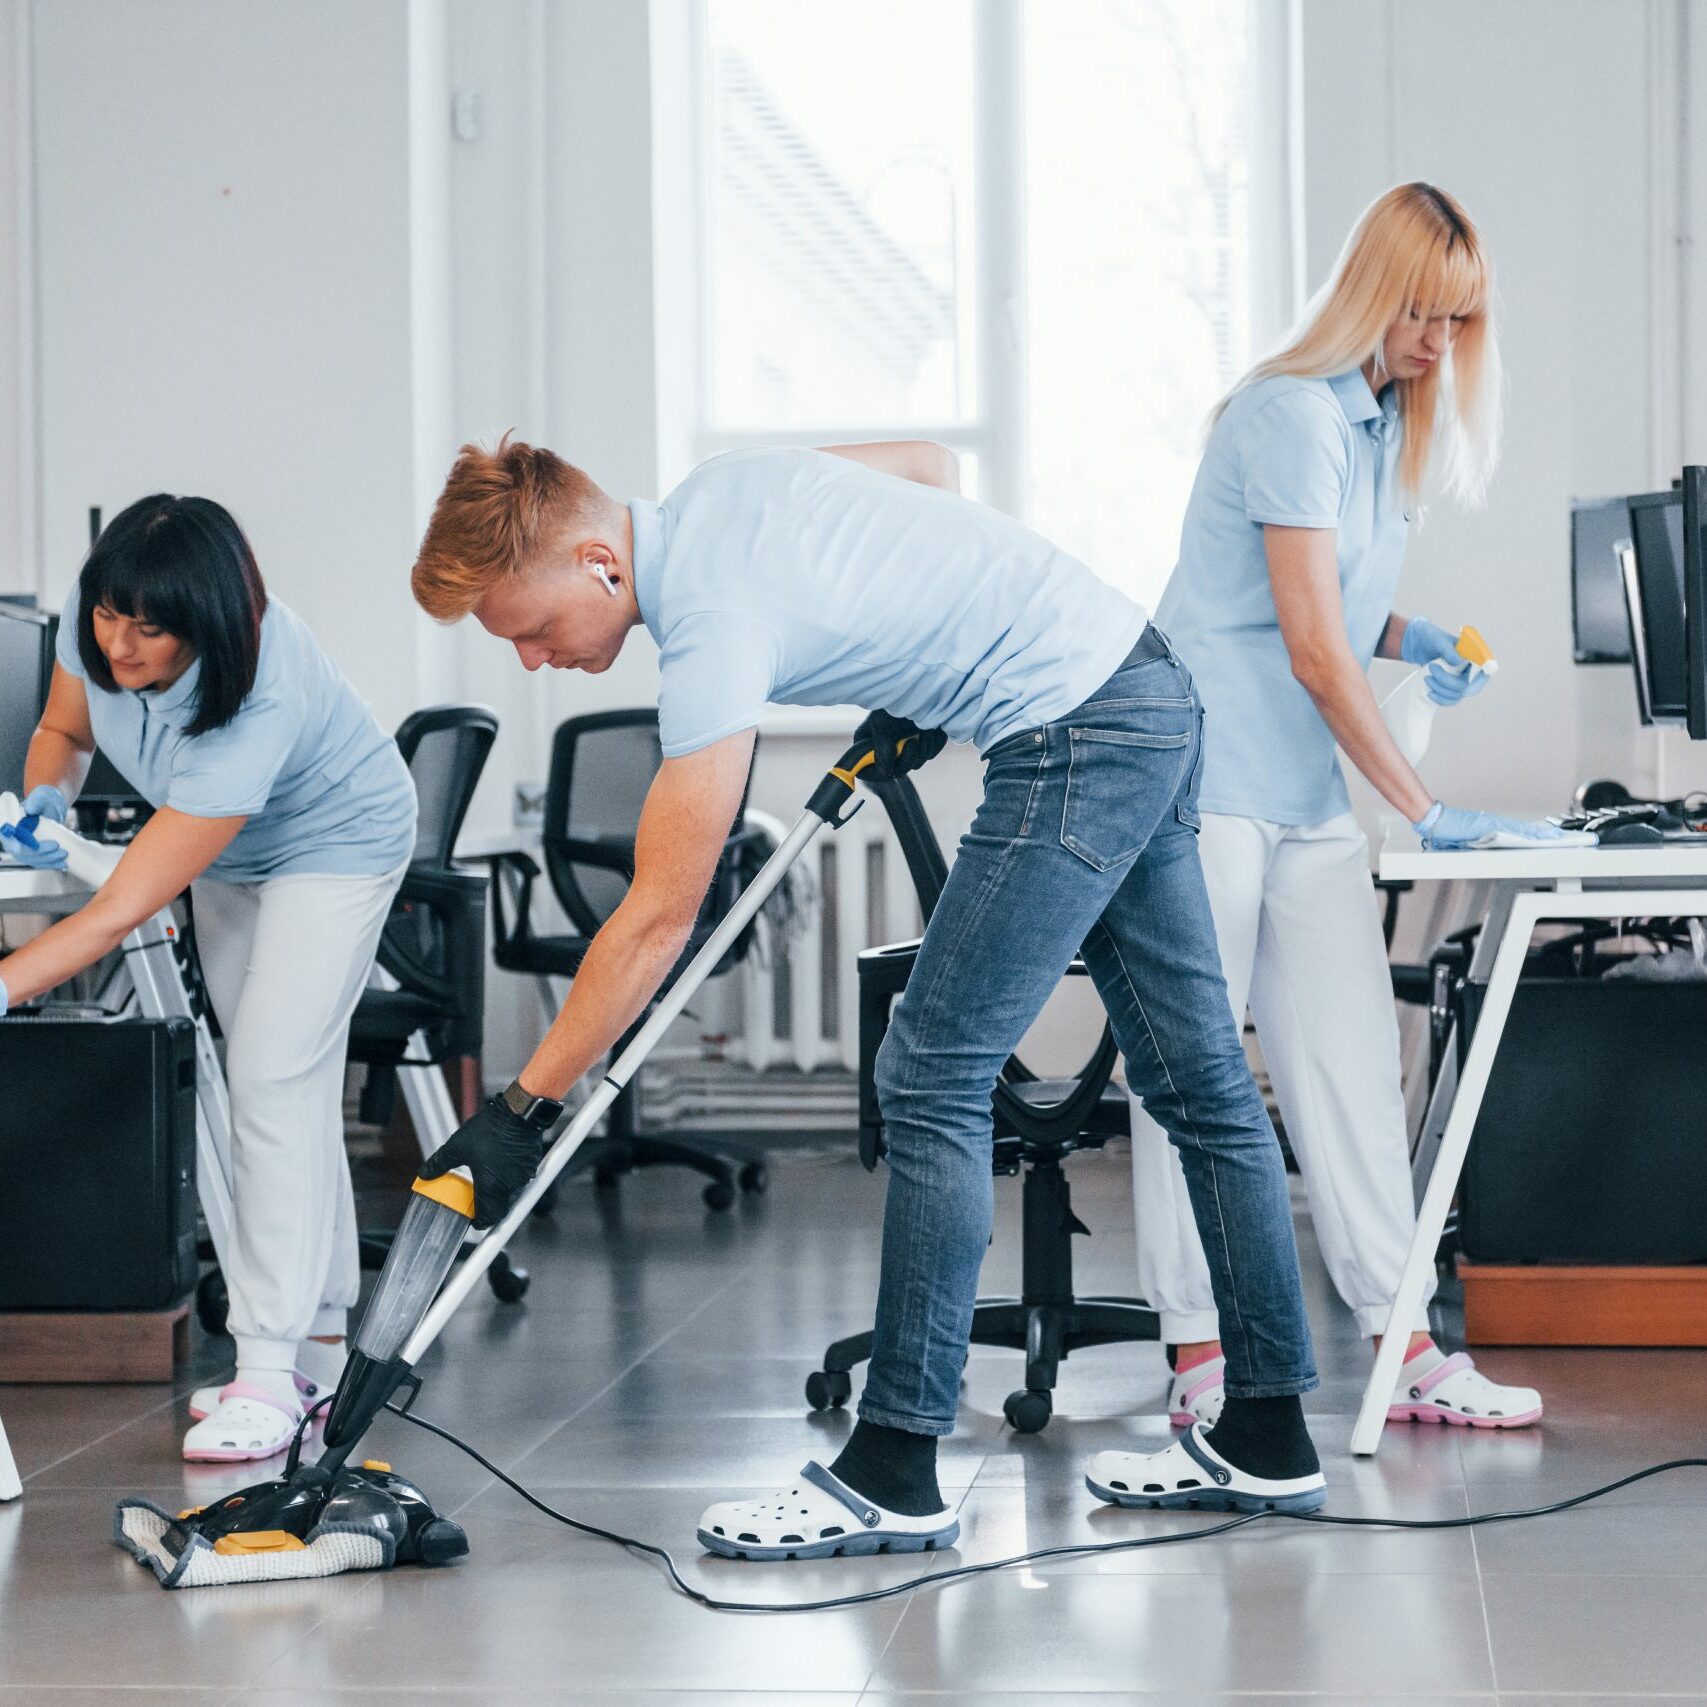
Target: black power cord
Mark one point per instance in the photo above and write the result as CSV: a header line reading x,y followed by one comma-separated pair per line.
x,y
1071,1550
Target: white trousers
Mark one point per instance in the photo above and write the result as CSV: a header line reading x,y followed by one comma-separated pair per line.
x,y
285,962
1301,945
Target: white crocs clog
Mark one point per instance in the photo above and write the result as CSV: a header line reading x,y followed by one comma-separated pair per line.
x,y
1436,1388
1198,1393
1190,1473
248,1422
204,1399
819,1518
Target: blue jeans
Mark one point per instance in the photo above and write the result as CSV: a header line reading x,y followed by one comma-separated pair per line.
x,y
1085,841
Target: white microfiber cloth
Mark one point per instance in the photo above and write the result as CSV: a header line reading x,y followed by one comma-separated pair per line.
x,y
140,1528
1564,839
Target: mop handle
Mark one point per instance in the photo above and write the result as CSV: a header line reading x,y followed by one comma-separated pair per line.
x,y
752,898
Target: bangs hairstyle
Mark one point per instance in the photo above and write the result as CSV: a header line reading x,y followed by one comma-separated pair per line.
x,y
1413,249
499,512
181,564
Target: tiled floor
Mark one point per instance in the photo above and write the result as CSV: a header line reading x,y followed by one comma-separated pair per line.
x,y
657,1364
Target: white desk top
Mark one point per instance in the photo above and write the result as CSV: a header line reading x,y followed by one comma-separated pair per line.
x,y
1672,864
23,890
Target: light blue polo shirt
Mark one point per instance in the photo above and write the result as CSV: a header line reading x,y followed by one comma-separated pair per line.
x,y
799,578
324,788
1289,452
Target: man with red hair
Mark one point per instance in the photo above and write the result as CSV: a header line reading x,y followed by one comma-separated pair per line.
x,y
859,576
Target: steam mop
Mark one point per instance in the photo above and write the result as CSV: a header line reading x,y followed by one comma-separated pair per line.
x,y
320,1519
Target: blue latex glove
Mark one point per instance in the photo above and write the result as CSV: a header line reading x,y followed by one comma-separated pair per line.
x,y
45,801
18,842
1448,675
1456,827
5,1000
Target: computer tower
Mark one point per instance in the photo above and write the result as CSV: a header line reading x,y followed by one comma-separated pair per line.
x,y
98,1155
1589,1145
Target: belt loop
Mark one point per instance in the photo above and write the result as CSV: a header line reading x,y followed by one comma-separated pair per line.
x,y
1166,644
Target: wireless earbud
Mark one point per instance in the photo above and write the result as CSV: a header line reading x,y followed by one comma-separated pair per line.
x,y
610,586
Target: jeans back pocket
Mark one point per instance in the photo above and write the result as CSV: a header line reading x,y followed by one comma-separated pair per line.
x,y
1121,781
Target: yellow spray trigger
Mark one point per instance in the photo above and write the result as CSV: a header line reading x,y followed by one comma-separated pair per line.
x,y
1475,650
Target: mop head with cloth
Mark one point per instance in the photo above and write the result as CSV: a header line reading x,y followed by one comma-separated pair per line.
x,y
319,1520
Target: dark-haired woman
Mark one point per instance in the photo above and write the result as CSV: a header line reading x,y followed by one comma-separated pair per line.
x,y
290,811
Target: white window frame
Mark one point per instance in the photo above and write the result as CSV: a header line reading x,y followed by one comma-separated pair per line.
x,y
996,432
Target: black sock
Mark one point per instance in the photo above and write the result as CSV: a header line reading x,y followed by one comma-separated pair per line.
x,y
892,1468
1265,1437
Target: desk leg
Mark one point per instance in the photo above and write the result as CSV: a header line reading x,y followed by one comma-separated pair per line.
x,y
161,994
10,1486
1440,1102
1520,918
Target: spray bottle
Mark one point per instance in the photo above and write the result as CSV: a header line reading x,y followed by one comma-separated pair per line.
x,y
1409,712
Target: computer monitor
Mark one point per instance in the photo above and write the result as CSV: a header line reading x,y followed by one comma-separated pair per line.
x,y
1654,595
1695,599
26,670
22,689
1600,630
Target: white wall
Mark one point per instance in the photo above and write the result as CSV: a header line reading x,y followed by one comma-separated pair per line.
x,y
225,294
18,555
1556,123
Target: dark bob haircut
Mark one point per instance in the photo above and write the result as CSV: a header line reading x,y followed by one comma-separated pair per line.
x,y
181,564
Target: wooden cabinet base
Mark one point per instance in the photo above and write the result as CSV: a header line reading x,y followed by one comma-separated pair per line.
x,y
1572,1304
89,1345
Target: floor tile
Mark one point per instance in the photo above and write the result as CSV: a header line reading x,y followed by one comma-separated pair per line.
x,y
1633,1633
519,1616
1040,1629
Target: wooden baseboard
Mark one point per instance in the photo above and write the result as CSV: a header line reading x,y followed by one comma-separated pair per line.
x,y
88,1345
1577,1304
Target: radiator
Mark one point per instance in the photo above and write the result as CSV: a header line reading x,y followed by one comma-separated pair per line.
x,y
799,1000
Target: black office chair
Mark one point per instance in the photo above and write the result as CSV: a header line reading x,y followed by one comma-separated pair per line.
x,y
601,768
1038,1124
433,949
432,957
428,1006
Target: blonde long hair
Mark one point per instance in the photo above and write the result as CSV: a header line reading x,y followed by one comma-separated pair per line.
x,y
1415,247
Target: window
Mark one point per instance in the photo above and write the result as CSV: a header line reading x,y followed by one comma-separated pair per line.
x,y
1017,227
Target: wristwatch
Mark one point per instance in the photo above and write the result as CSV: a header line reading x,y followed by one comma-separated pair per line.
x,y
541,1113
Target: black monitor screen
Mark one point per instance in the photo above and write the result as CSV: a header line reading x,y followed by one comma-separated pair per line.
x,y
1600,629
26,668
1656,527
24,641
1695,597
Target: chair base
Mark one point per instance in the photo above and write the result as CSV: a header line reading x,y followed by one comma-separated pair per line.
x,y
1046,1333
1047,1322
610,1158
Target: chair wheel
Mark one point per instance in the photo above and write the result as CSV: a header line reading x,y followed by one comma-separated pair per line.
x,y
828,1389
719,1195
213,1302
509,1284
1027,1411
753,1177
546,1201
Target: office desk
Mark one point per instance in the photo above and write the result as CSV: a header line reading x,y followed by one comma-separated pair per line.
x,y
1528,886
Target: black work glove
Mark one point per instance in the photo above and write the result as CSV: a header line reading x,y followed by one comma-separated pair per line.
x,y
897,745
500,1150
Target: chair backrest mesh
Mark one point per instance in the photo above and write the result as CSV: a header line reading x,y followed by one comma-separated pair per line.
x,y
601,767
445,748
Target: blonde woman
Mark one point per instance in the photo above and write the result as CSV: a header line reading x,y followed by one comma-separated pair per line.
x,y
1289,558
